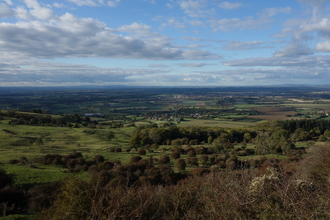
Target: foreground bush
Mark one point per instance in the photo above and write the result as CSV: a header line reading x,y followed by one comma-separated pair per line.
x,y
218,195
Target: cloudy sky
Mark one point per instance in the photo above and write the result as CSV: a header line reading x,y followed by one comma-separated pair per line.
x,y
164,42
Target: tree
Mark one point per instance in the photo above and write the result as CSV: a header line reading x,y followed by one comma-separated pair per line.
x,y
180,164
142,152
210,140
164,159
135,140
247,137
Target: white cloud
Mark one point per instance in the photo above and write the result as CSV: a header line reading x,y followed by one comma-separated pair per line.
x,y
191,4
241,45
317,5
230,6
169,5
58,5
194,64
9,2
84,2
199,55
45,73
231,24
22,13
113,3
323,46
38,11
150,1
301,61
273,75
157,65
69,36
190,46
174,22
94,3
5,11
294,48
270,12
196,23
195,8
142,30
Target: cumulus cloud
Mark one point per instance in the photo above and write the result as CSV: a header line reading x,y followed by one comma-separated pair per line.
x,y
317,5
5,11
169,5
270,12
302,61
306,32
249,22
160,65
58,5
174,22
230,6
294,48
38,11
199,55
195,8
142,30
150,1
274,75
323,46
194,64
196,23
241,45
9,2
230,24
51,36
43,73
95,3
113,3
185,79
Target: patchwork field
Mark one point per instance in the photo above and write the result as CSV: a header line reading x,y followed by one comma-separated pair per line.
x,y
273,113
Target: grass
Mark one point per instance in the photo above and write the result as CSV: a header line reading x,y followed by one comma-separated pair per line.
x,y
28,175
35,141
15,217
217,123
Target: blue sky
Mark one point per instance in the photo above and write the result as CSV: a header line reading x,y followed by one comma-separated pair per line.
x,y
164,42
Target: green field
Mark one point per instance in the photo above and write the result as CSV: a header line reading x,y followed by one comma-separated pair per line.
x,y
34,141
218,123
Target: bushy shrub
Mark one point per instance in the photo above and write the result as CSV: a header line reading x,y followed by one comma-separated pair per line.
x,y
98,159
180,164
192,161
23,160
175,155
43,196
13,161
164,159
5,179
136,159
199,171
142,152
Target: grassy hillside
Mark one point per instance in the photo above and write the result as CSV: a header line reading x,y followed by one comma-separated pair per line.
x,y
34,141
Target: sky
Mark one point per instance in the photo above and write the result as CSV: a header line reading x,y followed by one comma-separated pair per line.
x,y
164,42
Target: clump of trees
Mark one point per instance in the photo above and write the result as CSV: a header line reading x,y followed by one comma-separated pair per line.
x,y
274,190
260,188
